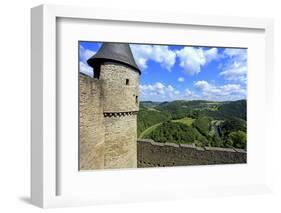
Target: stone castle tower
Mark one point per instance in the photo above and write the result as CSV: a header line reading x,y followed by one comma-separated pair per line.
x,y
109,103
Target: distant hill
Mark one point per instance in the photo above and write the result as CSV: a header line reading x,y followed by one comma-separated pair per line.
x,y
234,109
216,109
149,104
181,104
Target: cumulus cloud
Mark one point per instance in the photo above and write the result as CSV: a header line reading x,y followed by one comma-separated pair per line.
x,y
236,67
158,53
220,92
235,52
202,90
211,54
190,95
181,79
85,69
159,92
203,85
85,54
192,59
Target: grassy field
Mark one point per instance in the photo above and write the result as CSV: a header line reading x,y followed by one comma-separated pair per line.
x,y
187,121
153,109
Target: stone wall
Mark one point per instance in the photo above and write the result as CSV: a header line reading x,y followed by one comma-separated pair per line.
x,y
120,141
91,121
118,96
120,89
108,118
153,154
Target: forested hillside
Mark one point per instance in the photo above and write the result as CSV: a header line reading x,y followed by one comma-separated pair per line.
x,y
148,117
202,123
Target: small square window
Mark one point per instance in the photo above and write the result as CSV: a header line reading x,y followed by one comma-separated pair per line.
x,y
127,81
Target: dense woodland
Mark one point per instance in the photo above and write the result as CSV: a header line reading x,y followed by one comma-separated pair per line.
x,y
202,123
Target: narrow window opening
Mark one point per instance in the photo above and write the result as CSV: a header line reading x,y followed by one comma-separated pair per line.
x,y
127,81
96,71
137,99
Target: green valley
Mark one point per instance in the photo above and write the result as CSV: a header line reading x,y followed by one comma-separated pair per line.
x,y
199,122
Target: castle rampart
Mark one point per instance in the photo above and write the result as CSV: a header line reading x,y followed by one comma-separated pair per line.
x,y
91,123
109,103
120,142
155,154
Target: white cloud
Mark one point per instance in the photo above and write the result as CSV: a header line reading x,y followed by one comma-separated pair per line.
x,y
188,92
236,67
85,69
220,92
170,88
158,92
193,58
190,95
203,91
181,79
85,54
158,53
203,85
161,92
211,54
233,52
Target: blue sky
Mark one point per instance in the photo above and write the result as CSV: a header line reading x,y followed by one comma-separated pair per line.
x,y
171,72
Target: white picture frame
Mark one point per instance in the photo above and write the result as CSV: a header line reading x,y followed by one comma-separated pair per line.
x,y
44,149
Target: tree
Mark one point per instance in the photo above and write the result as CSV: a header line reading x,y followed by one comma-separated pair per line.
x,y
203,125
239,139
216,142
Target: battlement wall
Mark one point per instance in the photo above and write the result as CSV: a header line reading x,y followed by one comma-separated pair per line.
x,y
120,141
91,123
107,139
155,154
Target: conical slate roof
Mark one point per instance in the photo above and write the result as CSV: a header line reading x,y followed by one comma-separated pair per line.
x,y
114,52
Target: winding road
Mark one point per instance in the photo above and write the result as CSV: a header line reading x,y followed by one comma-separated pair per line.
x,y
149,129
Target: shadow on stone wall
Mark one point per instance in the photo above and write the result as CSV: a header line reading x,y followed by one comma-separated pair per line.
x,y
154,154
